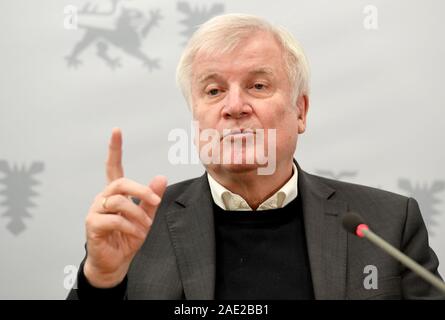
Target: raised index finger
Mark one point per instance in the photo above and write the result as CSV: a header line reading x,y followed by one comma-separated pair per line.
x,y
114,169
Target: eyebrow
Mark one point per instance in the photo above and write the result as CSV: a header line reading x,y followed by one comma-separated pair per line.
x,y
214,75
207,76
262,71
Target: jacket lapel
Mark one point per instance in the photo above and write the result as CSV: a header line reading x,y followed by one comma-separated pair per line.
x,y
192,232
325,237
193,236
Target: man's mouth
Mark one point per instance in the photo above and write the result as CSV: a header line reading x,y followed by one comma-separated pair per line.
x,y
239,132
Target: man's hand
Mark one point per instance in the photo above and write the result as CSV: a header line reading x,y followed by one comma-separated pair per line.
x,y
115,226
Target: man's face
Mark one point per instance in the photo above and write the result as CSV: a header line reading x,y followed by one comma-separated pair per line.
x,y
247,88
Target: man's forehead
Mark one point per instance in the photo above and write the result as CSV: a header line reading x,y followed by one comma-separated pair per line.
x,y
260,54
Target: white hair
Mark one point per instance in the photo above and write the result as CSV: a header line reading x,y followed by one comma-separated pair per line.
x,y
223,33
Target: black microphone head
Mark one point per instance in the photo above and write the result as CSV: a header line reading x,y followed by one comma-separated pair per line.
x,y
351,221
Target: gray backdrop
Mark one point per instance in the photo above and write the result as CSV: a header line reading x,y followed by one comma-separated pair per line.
x,y
376,113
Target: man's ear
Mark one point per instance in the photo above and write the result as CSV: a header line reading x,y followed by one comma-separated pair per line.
x,y
302,110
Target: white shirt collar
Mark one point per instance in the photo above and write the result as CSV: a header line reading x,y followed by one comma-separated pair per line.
x,y
227,200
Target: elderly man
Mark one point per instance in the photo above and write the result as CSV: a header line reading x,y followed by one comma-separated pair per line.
x,y
234,233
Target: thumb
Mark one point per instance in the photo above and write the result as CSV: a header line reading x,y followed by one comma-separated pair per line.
x,y
158,185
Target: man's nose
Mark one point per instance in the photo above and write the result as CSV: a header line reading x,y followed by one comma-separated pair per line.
x,y
236,104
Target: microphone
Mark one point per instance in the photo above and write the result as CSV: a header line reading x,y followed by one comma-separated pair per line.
x,y
355,224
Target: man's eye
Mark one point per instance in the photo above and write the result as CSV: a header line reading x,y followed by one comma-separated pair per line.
x,y
259,86
213,92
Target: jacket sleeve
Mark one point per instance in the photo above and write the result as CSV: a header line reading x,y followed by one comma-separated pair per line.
x,y
415,245
85,291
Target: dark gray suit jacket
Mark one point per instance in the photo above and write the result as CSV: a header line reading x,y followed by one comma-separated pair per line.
x,y
177,261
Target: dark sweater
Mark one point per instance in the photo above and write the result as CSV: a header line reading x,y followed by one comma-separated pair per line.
x,y
259,255
262,254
